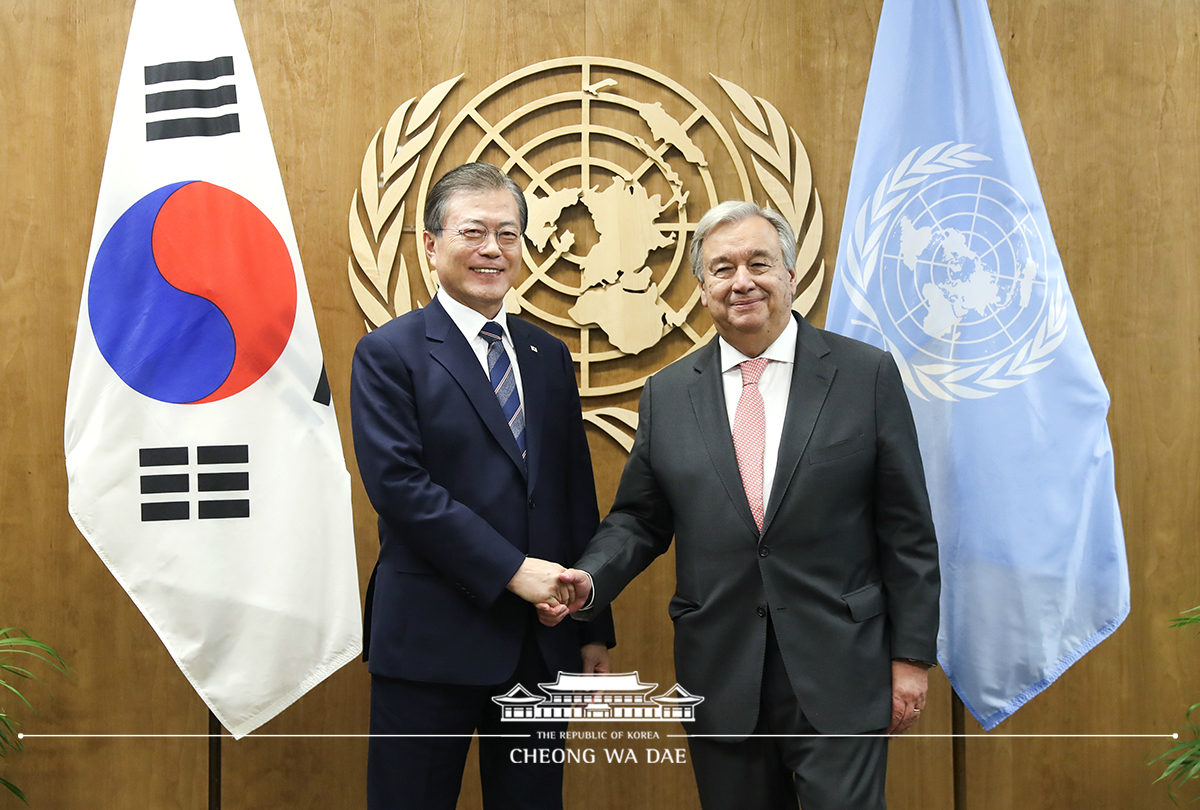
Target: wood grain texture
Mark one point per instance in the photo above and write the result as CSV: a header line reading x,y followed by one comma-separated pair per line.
x,y
1106,93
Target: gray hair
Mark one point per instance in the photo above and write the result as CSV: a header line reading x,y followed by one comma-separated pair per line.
x,y
469,177
732,212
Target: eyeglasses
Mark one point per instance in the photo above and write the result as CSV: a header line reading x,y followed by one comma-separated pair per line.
x,y
473,237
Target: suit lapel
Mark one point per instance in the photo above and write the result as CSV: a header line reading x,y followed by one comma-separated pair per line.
x,y
812,376
449,348
708,403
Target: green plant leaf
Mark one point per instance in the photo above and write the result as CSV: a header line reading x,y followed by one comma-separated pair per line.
x,y
14,641
17,641
8,736
16,692
1187,618
16,790
1181,762
20,672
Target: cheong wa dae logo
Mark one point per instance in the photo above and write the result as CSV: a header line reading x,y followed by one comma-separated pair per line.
x,y
598,696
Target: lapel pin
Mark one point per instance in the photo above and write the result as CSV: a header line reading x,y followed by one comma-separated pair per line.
x,y
532,347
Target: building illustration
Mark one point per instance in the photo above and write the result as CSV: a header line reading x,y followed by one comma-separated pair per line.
x,y
618,696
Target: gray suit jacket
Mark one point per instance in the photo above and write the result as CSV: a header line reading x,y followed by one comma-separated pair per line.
x,y
845,567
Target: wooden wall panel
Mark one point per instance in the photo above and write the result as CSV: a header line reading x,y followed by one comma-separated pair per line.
x,y
1106,91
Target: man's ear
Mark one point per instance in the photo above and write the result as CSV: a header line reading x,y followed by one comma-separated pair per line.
x,y
430,248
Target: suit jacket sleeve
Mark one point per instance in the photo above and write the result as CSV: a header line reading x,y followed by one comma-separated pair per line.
x,y
584,512
904,523
450,537
639,527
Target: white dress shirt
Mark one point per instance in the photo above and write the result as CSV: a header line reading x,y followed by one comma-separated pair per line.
x,y
774,385
470,322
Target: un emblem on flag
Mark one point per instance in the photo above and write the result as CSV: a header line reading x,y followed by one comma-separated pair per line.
x,y
949,265
617,163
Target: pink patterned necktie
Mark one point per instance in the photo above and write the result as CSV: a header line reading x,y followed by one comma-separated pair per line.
x,y
749,435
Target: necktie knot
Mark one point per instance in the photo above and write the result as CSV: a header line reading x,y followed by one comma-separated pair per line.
x,y
492,332
752,370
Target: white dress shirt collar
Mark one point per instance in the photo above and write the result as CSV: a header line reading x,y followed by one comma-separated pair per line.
x,y
783,350
468,321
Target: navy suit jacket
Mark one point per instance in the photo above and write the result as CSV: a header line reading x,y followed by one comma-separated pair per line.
x,y
458,509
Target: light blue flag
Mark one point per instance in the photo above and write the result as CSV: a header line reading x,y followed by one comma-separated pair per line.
x,y
947,260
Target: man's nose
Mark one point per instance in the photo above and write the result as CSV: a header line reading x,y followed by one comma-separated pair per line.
x,y
743,279
491,244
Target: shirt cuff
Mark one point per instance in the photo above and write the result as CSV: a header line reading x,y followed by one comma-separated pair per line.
x,y
591,592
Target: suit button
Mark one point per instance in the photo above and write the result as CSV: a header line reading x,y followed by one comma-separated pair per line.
x,y
762,611
532,504
764,551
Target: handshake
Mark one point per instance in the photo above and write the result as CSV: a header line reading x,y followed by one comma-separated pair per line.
x,y
557,592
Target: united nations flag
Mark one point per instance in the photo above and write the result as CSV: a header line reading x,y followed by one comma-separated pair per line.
x,y
947,260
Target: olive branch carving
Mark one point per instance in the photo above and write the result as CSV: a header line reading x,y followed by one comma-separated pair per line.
x,y
770,142
377,211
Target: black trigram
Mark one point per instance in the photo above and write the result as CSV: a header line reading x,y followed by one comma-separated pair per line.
x,y
213,487
174,91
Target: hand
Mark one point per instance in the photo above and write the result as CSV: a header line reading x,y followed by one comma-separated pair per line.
x,y
580,585
910,682
595,658
538,581
595,661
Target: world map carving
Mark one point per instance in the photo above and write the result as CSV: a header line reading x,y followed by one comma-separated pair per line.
x,y
615,275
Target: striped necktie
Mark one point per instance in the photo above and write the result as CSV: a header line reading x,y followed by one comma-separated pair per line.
x,y
504,381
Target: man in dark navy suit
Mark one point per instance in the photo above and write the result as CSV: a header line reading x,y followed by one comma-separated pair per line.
x,y
470,441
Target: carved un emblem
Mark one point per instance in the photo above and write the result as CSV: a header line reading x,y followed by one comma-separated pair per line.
x,y
617,163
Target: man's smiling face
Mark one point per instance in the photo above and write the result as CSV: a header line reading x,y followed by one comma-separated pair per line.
x,y
746,286
476,277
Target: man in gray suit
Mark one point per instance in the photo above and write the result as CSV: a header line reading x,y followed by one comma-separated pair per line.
x,y
784,460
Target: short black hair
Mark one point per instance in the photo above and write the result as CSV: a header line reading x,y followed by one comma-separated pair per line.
x,y
469,177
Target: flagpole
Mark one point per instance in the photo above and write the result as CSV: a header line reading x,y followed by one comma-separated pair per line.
x,y
214,762
958,759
